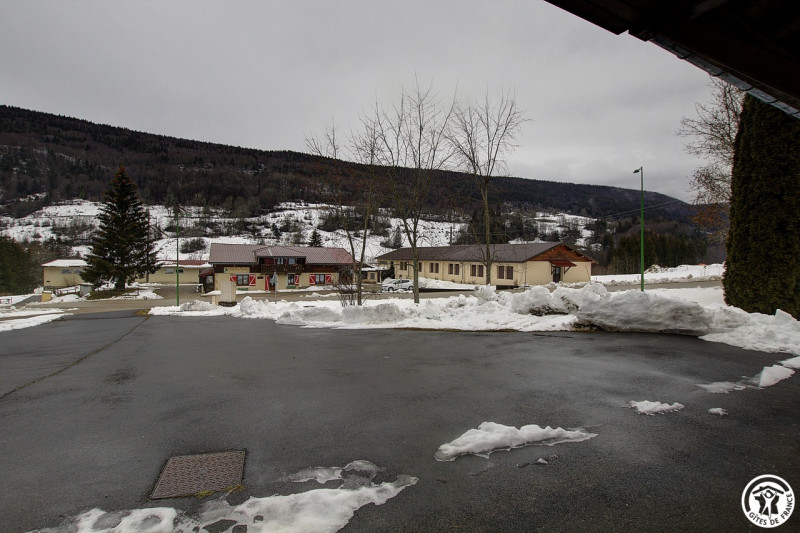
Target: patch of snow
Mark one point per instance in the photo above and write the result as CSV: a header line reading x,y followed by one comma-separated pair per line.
x,y
490,437
723,387
651,408
320,510
428,283
139,295
769,376
30,321
718,411
666,275
772,375
794,362
356,473
754,331
66,263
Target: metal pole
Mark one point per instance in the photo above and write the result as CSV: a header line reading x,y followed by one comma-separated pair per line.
x,y
177,258
640,171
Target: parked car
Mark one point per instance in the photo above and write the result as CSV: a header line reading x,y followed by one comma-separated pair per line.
x,y
397,285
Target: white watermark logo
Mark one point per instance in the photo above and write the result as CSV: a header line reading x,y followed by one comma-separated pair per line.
x,y
768,501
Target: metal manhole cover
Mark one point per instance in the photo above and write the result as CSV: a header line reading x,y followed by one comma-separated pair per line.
x,y
187,475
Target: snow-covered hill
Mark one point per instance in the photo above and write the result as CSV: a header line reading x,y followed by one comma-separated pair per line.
x,y
290,223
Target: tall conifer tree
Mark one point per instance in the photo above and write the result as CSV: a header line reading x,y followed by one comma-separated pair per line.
x,y
762,269
122,249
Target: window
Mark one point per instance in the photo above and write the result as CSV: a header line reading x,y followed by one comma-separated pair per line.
x,y
450,269
456,269
433,268
501,271
473,270
172,271
403,265
319,279
480,271
242,280
509,272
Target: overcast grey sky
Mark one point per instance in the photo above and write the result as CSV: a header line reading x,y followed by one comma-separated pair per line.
x,y
266,74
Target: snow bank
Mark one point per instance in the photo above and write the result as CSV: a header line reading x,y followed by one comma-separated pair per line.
x,y
652,408
490,437
538,309
319,510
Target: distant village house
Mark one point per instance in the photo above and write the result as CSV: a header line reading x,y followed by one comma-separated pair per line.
x,y
67,272
259,267
513,265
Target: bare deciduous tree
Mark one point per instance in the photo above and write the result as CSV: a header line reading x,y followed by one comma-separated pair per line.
x,y
712,136
356,209
482,133
412,146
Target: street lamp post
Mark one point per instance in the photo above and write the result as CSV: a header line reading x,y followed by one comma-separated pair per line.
x,y
177,257
640,171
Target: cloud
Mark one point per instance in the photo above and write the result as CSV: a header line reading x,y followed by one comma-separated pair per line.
x,y
267,74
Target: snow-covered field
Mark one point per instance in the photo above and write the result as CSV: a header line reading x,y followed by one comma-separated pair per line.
x,y
654,274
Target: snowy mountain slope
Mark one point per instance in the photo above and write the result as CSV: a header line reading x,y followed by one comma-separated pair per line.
x,y
75,221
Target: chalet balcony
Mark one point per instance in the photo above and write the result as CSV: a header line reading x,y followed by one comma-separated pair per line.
x,y
281,269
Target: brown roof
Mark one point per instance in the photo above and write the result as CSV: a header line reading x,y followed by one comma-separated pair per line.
x,y
504,253
231,254
313,255
183,262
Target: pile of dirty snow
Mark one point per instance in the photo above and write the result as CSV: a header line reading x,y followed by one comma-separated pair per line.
x,y
535,309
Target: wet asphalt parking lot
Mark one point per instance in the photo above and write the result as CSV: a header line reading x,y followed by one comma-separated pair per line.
x,y
93,405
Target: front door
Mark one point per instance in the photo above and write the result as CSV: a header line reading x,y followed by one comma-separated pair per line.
x,y
556,274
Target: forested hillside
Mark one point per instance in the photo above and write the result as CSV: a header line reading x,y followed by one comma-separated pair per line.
x,y
68,158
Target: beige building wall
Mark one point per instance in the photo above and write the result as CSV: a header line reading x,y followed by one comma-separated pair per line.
x,y
59,277
529,273
581,272
261,280
167,275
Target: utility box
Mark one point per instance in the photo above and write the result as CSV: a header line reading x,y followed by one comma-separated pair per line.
x,y
227,290
86,288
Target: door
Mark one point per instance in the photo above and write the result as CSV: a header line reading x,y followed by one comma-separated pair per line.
x,y
556,274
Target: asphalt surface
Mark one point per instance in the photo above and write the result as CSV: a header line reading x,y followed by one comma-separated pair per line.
x,y
92,406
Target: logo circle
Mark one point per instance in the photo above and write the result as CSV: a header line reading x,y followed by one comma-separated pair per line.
x,y
768,501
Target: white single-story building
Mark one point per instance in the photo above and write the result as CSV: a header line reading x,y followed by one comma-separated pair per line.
x,y
67,272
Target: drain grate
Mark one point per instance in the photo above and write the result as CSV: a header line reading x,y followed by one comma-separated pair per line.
x,y
187,475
